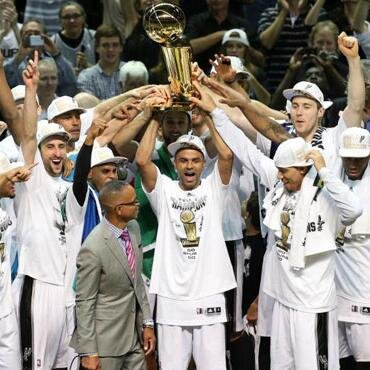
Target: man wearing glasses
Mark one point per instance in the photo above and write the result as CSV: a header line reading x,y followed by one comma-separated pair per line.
x,y
114,326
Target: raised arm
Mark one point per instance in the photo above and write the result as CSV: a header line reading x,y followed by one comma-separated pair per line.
x,y
314,13
143,156
271,34
360,16
28,140
201,44
225,155
265,125
347,203
8,108
352,114
83,162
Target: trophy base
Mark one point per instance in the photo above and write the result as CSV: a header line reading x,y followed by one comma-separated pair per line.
x,y
176,107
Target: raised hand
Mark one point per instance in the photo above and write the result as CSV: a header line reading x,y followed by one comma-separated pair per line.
x,y
348,45
223,68
20,174
31,73
205,102
49,46
230,96
318,159
96,129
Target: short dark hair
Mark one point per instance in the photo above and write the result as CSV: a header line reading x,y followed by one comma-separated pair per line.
x,y
106,30
74,3
34,20
106,192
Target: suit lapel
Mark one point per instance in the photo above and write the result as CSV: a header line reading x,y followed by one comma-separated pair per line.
x,y
116,249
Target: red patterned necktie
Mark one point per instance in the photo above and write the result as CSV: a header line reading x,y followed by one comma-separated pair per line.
x,y
129,250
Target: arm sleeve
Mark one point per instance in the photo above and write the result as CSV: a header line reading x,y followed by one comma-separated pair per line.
x,y
83,164
347,203
88,281
156,194
244,149
12,73
364,40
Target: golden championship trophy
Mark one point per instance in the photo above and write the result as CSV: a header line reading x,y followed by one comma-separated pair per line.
x,y
165,23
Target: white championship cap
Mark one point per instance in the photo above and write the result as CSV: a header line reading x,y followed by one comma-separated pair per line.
x,y
355,143
46,130
19,93
187,141
5,164
103,155
236,34
307,89
292,153
62,105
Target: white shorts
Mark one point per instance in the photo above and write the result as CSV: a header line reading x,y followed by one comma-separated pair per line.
x,y
265,309
295,340
176,345
354,341
52,325
10,346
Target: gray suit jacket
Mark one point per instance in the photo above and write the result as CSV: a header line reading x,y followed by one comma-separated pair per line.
x,y
110,304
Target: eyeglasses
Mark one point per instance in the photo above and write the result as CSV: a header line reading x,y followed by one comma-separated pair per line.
x,y
68,17
130,204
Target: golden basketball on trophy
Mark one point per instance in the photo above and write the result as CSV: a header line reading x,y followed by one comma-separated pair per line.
x,y
165,23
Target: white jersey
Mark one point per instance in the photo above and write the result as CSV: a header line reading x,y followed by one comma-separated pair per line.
x,y
353,260
75,216
41,225
232,221
9,45
191,260
312,288
6,302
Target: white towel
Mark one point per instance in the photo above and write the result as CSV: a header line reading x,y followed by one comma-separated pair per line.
x,y
274,203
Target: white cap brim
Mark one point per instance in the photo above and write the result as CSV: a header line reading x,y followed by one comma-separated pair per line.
x,y
305,163
354,153
175,147
291,93
115,160
64,135
80,110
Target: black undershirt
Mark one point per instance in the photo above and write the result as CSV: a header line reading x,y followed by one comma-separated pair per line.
x,y
72,43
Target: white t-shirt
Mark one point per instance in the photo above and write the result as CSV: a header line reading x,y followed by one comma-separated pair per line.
x,y
191,259
9,44
232,221
41,225
74,228
312,288
353,261
6,302
203,311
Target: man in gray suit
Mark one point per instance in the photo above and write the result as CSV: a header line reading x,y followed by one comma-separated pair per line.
x,y
114,326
